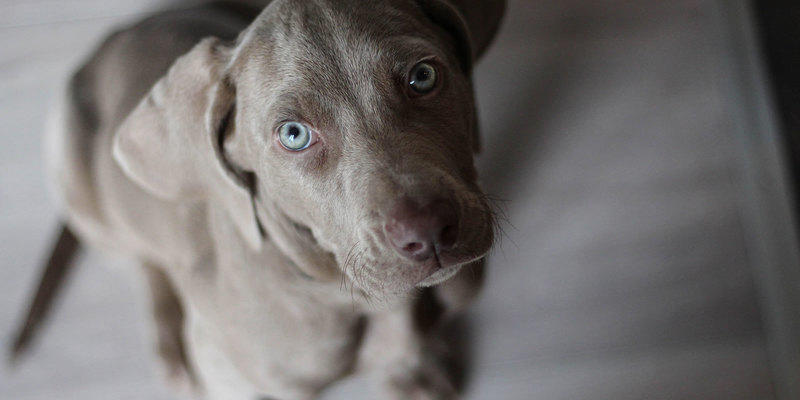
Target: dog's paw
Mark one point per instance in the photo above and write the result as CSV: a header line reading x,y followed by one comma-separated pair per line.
x,y
428,383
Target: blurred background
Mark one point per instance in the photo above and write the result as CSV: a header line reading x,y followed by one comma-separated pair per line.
x,y
650,249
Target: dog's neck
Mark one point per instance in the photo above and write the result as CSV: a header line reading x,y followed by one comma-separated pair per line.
x,y
297,243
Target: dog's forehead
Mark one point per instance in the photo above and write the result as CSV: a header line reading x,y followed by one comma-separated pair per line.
x,y
329,30
335,53
371,17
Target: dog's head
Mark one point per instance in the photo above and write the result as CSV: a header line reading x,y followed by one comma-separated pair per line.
x,y
343,131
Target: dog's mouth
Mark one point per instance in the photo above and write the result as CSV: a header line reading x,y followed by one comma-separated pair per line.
x,y
388,277
375,266
446,264
439,276
371,263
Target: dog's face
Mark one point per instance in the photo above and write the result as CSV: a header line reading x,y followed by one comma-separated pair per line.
x,y
359,126
351,130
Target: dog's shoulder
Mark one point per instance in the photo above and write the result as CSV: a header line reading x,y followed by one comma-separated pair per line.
x,y
104,89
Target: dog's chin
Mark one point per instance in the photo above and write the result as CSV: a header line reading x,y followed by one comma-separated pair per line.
x,y
439,276
445,267
401,280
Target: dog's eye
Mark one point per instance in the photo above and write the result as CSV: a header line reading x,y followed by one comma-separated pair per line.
x,y
294,136
422,78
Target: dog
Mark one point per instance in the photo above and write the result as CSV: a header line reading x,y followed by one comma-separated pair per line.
x,y
297,182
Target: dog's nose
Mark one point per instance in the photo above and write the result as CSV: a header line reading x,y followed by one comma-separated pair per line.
x,y
418,232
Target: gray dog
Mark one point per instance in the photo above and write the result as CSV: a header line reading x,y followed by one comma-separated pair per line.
x,y
298,184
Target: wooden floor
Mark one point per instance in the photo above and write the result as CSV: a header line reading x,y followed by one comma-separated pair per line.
x,y
622,274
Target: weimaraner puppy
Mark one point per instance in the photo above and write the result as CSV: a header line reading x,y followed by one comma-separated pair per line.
x,y
297,182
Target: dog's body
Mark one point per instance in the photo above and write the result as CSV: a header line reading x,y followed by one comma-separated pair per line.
x,y
251,296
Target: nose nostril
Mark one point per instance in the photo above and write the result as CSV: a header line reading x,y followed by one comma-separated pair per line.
x,y
420,232
412,247
447,238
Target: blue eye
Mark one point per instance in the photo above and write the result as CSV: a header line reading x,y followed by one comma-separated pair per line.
x,y
294,136
422,78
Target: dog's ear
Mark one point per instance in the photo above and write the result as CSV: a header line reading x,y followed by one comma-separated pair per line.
x,y
474,23
170,144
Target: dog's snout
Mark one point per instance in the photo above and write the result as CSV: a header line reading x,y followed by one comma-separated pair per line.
x,y
420,232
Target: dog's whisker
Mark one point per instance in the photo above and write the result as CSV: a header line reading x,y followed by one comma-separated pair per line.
x,y
498,217
345,266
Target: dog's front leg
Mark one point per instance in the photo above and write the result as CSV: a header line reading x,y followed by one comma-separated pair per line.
x,y
398,352
168,318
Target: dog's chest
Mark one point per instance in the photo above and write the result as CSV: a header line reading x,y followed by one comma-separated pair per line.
x,y
277,353
257,322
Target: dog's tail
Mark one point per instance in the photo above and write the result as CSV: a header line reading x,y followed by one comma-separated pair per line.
x,y
52,279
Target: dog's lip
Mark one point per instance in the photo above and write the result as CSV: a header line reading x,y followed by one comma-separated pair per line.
x,y
430,267
443,266
447,259
435,266
438,275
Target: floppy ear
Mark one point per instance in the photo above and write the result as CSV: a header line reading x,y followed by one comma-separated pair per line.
x,y
170,143
474,23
